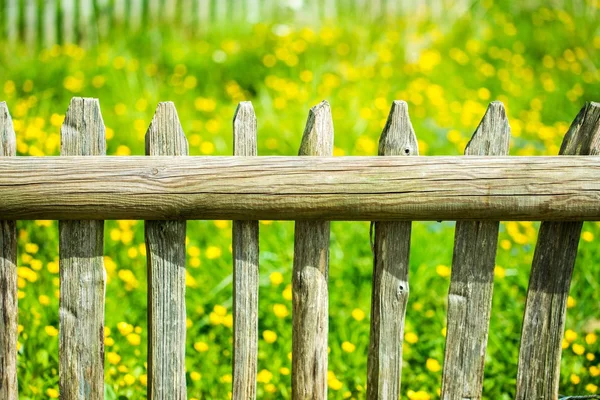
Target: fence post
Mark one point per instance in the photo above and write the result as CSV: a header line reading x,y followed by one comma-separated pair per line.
x,y
538,372
310,275
82,275
472,280
8,277
165,244
391,251
245,271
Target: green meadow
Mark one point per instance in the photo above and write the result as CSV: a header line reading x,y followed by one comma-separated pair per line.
x,y
541,62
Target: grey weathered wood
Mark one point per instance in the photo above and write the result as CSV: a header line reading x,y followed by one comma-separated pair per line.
x,y
288,188
310,275
245,271
390,273
8,277
472,280
165,244
551,271
82,285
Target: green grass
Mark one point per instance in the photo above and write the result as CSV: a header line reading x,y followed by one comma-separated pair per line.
x,y
542,63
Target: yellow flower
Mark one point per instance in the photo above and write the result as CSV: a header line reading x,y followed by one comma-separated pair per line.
x,y
125,328
213,252
269,336
287,292
433,365
195,376
134,339
443,271
570,335
590,387
270,388
221,224
31,248
129,379
591,338
571,302
594,371
52,393
144,379
51,331
113,358
264,376
578,349
358,314
590,356
201,346
575,379
220,310
348,347
587,236
411,338
44,300
280,311
284,371
499,271
276,278
420,395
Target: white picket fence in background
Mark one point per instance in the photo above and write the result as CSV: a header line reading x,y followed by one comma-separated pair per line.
x,y
48,22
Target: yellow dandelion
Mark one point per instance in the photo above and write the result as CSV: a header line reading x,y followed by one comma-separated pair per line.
x,y
411,338
129,379
358,314
433,365
570,335
195,376
51,331
201,347
578,349
443,271
280,311
269,336
287,293
213,252
113,358
52,393
264,376
348,347
276,278
134,339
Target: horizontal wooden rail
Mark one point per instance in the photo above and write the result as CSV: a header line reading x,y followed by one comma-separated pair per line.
x,y
295,188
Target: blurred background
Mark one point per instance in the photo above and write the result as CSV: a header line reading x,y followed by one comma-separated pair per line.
x,y
447,59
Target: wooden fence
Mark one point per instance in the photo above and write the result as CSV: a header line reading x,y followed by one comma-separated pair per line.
x,y
166,188
48,22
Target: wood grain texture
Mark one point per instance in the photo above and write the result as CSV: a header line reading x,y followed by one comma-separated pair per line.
x,y
289,188
8,277
538,372
390,273
472,280
165,249
245,271
310,315
82,275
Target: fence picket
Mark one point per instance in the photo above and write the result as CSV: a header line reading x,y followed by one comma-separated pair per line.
x,y
310,275
165,244
67,10
49,24
538,372
390,273
82,275
31,23
245,271
472,279
8,277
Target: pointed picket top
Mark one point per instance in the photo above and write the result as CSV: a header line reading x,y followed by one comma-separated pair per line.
x,y
8,140
317,139
165,135
398,137
494,125
83,132
583,136
244,130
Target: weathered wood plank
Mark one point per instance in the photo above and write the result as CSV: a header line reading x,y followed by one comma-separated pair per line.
x,y
310,274
390,273
551,271
82,275
472,280
165,244
289,188
245,271
8,277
